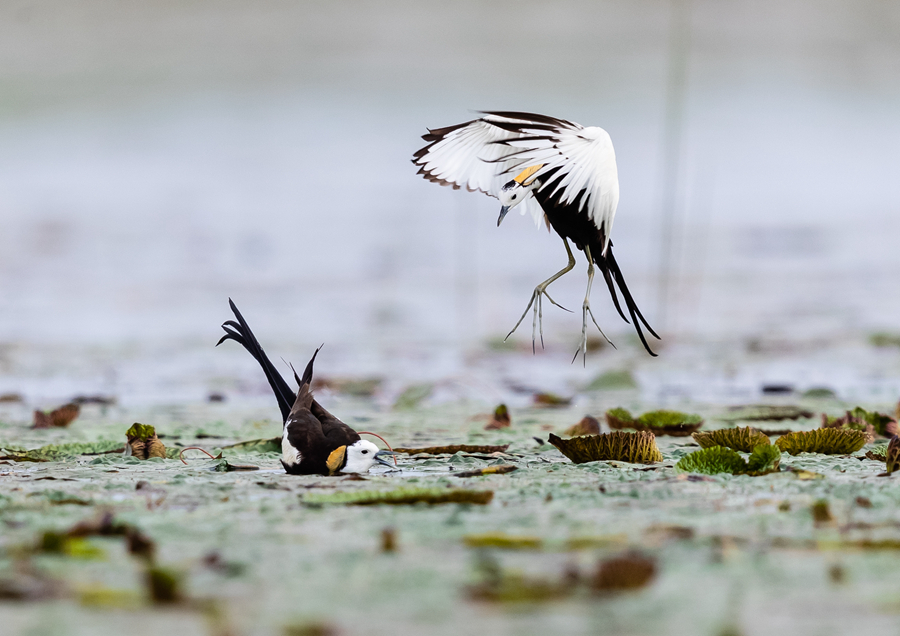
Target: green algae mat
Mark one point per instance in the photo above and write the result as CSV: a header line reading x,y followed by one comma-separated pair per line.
x,y
97,542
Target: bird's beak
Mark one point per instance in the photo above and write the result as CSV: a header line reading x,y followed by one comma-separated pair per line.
x,y
503,212
380,458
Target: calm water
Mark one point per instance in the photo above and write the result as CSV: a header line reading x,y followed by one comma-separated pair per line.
x,y
157,159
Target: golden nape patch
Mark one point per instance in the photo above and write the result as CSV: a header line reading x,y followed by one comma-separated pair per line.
x,y
526,173
335,460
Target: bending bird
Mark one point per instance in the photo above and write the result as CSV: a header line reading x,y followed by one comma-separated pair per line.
x,y
313,441
561,172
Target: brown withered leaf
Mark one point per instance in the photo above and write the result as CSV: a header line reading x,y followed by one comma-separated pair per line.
x,y
551,400
587,426
452,449
59,418
630,571
501,419
143,442
490,470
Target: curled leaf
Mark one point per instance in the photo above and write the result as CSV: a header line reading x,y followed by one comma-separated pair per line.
x,y
828,441
143,442
636,448
623,573
743,439
764,459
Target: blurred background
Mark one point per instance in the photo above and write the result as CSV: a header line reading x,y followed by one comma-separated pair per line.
x,y
158,157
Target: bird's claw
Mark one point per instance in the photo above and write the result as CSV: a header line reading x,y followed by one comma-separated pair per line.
x,y
582,348
537,324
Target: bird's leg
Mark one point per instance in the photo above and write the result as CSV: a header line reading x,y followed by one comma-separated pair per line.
x,y
537,324
586,310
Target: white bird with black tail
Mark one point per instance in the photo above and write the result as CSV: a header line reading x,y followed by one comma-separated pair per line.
x,y
313,441
560,172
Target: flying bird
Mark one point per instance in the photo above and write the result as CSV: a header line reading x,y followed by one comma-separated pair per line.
x,y
313,441
558,171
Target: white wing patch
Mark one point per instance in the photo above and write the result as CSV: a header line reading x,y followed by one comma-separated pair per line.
x,y
289,454
485,153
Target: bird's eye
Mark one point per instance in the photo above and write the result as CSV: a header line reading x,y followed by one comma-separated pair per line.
x,y
365,452
514,197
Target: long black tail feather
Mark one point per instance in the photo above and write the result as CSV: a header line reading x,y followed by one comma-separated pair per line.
x,y
612,274
240,332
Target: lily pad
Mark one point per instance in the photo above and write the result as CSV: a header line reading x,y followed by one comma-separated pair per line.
x,y
743,439
636,448
452,449
272,445
828,441
612,381
662,422
764,413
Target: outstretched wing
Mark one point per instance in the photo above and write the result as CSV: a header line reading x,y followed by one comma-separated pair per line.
x,y
582,160
470,155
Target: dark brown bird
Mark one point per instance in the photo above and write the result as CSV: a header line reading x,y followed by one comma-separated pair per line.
x,y
313,441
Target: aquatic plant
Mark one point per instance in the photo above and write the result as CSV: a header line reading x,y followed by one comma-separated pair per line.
x,y
452,449
403,496
636,448
58,452
859,419
625,572
743,439
764,459
764,413
612,381
272,445
828,441
143,442
892,456
58,418
587,426
712,461
662,422
500,419
503,540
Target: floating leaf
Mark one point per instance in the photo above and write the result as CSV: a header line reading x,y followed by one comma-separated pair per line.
x,y
587,426
764,412
490,470
662,422
403,496
627,572
59,452
743,439
828,441
819,393
453,449
712,461
612,381
883,339
501,419
502,540
550,400
57,418
412,396
272,445
164,585
821,513
636,448
358,387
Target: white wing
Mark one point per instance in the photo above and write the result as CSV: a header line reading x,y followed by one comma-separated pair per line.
x,y
582,159
471,155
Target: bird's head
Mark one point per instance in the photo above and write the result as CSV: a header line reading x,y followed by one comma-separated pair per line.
x,y
362,455
517,190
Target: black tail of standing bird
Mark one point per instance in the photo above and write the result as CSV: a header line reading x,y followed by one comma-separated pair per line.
x,y
613,276
240,332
